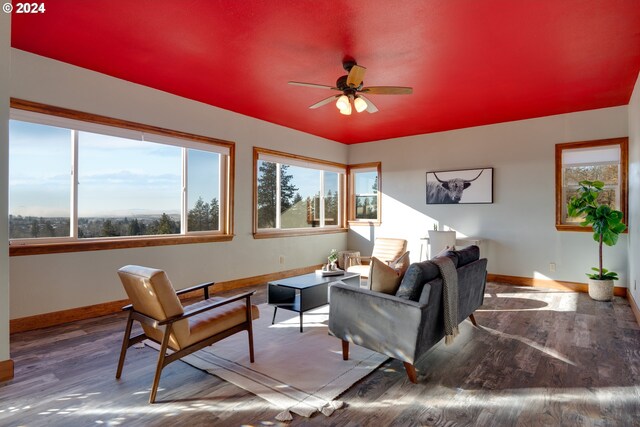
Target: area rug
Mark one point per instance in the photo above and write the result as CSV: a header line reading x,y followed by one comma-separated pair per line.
x,y
298,372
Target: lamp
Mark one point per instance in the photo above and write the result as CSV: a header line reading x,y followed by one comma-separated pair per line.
x,y
346,110
343,102
360,104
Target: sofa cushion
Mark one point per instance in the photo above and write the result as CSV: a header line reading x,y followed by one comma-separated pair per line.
x,y
467,255
414,279
383,278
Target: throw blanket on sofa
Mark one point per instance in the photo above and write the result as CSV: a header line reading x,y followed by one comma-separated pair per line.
x,y
449,297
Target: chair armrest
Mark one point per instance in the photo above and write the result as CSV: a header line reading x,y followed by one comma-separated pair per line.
x,y
380,322
359,257
204,286
213,304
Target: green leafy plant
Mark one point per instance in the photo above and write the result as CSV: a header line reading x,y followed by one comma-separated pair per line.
x,y
333,256
606,222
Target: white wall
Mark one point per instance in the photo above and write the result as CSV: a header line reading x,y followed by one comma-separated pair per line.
x,y
518,229
45,283
5,69
634,192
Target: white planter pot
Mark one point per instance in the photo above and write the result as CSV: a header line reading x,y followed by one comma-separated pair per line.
x,y
601,290
438,240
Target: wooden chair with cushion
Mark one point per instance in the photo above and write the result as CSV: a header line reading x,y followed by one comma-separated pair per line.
x,y
183,330
385,249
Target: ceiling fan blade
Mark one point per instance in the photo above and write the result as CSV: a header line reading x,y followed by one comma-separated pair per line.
x,y
388,90
371,107
356,75
324,101
313,85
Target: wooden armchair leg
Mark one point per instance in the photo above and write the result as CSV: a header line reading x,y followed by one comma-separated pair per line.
x,y
473,320
161,364
345,350
411,372
125,346
250,329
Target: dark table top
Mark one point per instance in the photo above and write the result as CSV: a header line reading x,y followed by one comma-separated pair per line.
x,y
310,280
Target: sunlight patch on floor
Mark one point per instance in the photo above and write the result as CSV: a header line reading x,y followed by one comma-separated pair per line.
x,y
568,302
509,398
548,351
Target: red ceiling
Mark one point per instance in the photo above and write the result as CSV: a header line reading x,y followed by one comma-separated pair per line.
x,y
470,62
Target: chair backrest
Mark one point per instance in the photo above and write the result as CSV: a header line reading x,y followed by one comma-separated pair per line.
x,y
151,293
387,249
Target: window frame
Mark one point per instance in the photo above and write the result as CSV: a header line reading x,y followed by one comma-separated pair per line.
x,y
261,233
351,171
623,143
19,247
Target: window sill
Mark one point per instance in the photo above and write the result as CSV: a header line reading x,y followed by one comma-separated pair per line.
x,y
274,234
105,244
369,222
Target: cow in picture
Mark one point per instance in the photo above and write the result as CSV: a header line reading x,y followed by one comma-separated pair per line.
x,y
449,191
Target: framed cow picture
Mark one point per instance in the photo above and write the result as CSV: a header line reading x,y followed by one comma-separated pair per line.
x,y
460,186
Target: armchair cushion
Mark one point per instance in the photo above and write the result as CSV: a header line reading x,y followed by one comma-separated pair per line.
x,y
383,278
385,249
362,269
216,320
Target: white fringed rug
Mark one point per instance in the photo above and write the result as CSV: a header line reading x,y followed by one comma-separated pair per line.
x,y
298,372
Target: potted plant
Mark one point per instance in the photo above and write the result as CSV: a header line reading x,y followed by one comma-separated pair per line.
x,y
607,225
332,258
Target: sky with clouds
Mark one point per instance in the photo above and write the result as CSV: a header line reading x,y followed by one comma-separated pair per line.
x,y
116,176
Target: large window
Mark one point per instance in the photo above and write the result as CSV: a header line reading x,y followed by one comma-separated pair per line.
x,y
85,185
296,195
364,193
602,160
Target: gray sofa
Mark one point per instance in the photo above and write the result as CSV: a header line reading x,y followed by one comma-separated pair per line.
x,y
405,325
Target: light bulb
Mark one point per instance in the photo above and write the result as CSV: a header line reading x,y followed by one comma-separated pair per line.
x,y
346,111
360,105
343,102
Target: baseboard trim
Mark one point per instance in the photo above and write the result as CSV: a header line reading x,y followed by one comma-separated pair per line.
x,y
634,307
6,370
45,320
548,283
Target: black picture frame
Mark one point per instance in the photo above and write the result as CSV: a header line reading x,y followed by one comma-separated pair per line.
x,y
462,186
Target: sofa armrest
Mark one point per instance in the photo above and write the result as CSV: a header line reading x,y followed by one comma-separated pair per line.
x,y
380,322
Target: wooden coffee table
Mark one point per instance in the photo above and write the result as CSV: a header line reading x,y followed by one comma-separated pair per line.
x,y
305,292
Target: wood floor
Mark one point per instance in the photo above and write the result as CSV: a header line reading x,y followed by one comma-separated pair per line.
x,y
540,358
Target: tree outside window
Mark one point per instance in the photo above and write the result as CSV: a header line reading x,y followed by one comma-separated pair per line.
x,y
601,160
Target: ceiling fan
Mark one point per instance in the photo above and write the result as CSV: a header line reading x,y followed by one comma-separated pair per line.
x,y
353,91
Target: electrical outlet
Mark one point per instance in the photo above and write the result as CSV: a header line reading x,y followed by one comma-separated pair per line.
x,y
552,267
281,259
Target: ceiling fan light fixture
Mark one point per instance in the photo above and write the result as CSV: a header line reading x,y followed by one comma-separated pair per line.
x,y
359,104
347,110
342,103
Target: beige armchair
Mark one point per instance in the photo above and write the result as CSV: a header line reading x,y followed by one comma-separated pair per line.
x,y
155,304
385,249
